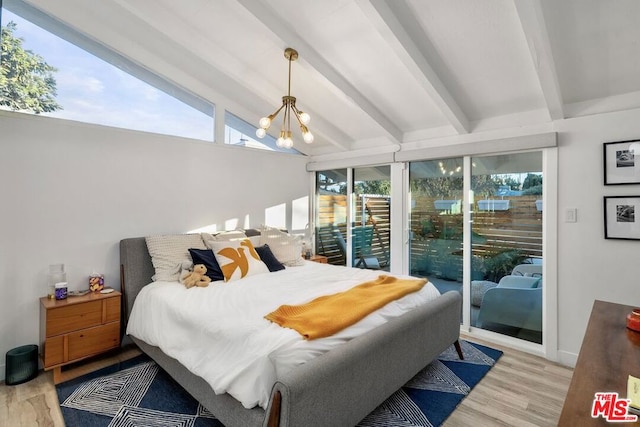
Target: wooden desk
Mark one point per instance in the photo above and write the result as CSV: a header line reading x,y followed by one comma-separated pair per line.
x,y
609,354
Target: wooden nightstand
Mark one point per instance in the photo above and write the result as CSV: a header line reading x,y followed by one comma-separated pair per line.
x,y
76,328
319,258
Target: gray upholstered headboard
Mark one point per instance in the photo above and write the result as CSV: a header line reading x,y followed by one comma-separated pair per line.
x,y
136,270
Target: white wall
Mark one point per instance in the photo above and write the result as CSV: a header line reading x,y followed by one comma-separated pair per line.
x,y
69,192
589,266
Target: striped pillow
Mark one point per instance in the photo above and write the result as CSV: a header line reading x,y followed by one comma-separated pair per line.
x,y
168,252
223,236
286,248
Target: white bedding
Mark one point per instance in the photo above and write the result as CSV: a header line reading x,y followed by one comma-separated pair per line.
x,y
219,332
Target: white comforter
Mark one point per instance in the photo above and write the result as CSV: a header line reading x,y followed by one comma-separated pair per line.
x,y
219,332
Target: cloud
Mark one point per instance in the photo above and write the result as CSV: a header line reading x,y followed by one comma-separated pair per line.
x,y
75,81
136,87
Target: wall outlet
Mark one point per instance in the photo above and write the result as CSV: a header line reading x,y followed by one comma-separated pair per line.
x,y
571,215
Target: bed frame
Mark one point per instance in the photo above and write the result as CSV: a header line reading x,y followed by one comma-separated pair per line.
x,y
338,388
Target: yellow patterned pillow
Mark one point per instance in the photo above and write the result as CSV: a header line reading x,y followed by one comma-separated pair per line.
x,y
237,259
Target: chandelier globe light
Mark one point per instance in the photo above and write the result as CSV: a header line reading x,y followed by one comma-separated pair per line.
x,y
290,109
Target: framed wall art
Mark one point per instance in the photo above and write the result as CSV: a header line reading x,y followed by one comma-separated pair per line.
x,y
621,165
620,219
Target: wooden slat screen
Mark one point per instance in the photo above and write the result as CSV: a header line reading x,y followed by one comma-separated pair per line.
x,y
377,210
520,227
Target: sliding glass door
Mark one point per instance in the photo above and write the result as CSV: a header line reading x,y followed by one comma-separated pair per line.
x,y
331,215
435,222
371,230
507,257
352,224
505,235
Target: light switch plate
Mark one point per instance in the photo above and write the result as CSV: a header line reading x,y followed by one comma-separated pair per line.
x,y
571,215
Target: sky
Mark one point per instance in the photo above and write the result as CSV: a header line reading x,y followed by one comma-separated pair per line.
x,y
93,91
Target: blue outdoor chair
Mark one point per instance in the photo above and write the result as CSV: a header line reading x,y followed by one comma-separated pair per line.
x,y
362,241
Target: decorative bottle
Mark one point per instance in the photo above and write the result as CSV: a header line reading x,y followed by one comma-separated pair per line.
x,y
56,275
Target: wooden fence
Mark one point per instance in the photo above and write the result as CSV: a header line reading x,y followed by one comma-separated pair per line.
x,y
369,210
519,227
436,246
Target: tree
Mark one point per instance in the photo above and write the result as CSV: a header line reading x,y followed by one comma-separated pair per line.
x,y
26,80
439,187
331,185
379,187
513,183
532,184
532,180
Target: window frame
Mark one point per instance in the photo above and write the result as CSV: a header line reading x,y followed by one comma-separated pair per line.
x,y
234,122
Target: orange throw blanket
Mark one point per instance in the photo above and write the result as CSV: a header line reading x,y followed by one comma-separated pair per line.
x,y
326,315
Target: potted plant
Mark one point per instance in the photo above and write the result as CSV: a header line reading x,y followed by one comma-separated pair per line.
x,y
448,205
502,262
493,205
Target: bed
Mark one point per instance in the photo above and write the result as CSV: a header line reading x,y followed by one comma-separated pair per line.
x,y
328,389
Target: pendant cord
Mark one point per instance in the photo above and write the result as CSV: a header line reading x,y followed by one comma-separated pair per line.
x,y
289,88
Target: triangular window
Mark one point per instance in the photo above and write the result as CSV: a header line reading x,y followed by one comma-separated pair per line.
x,y
92,87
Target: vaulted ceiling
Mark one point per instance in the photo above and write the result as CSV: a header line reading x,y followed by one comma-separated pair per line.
x,y
383,75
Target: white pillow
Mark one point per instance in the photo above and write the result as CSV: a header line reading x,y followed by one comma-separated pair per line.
x,y
169,251
238,259
223,236
255,240
286,248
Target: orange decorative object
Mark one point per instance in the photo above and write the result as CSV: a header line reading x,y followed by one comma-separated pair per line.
x,y
633,320
96,282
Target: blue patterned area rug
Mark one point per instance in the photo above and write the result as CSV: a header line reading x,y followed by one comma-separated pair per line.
x,y
139,393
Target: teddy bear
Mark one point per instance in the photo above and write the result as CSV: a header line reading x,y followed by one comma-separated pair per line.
x,y
196,277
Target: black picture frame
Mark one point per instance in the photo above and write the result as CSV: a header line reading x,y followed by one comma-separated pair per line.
x,y
621,166
620,219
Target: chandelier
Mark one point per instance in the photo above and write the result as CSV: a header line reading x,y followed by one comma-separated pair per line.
x,y
448,168
290,109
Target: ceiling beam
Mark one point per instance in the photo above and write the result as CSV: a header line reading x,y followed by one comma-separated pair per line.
x,y
535,32
281,28
397,24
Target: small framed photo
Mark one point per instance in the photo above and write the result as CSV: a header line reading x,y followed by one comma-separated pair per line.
x,y
622,162
620,219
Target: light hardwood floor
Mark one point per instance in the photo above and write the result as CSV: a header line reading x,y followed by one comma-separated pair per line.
x,y
520,390
35,403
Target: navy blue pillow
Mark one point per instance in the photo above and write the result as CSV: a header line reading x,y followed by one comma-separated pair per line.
x,y
269,258
206,257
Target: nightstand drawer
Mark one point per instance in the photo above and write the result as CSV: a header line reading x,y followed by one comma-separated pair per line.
x,y
113,310
53,351
94,340
73,317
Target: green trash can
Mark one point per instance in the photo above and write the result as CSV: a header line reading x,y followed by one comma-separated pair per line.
x,y
21,364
